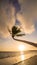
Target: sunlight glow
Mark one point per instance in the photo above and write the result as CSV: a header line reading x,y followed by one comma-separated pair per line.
x,y
22,57
21,47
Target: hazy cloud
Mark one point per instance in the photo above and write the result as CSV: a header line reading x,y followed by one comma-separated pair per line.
x,y
26,11
7,17
27,14
8,10
26,24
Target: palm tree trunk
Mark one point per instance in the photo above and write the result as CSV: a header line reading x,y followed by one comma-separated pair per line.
x,y
31,43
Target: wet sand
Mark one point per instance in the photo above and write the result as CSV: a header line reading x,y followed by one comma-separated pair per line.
x,y
30,61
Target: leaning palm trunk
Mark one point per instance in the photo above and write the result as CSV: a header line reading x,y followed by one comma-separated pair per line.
x,y
14,33
31,43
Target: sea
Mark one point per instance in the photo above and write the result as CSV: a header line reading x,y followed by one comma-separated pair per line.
x,y
18,57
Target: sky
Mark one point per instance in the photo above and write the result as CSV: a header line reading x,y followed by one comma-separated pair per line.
x,y
22,13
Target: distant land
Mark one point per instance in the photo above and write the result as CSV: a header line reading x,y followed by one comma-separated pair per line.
x,y
20,51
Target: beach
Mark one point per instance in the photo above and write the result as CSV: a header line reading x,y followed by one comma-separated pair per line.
x,y
9,60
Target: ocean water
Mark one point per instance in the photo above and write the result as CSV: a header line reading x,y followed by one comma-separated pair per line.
x,y
18,58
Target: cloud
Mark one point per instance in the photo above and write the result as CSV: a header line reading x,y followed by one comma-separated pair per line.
x,y
26,25
7,18
16,4
27,14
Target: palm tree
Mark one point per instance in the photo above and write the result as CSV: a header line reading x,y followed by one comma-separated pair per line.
x,y
15,32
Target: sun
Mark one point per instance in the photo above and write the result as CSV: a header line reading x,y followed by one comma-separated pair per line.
x,y
21,47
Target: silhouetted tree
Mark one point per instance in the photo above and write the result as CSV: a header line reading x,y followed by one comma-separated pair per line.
x,y
15,32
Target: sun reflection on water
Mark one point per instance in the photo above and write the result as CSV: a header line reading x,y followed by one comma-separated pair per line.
x,y
22,57
21,49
